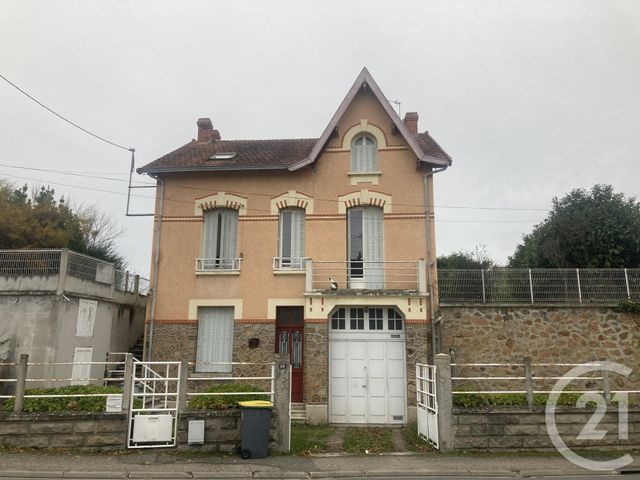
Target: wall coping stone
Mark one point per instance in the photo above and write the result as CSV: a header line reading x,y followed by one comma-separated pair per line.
x,y
53,416
532,306
518,410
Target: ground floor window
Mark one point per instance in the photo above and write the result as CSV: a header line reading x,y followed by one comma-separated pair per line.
x,y
366,318
215,339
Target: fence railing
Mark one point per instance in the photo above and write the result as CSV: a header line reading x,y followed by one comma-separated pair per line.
x,y
531,379
45,262
405,275
538,285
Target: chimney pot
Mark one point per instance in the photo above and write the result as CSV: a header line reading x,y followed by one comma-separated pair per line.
x,y
411,121
206,131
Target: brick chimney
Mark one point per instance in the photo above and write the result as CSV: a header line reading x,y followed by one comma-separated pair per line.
x,y
206,131
411,121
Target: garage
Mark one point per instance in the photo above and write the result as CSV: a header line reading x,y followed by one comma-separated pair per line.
x,y
367,366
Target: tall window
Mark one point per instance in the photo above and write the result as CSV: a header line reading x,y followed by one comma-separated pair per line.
x,y
364,154
215,339
291,238
220,239
365,247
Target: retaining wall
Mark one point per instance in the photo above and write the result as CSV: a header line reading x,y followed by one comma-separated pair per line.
x,y
524,429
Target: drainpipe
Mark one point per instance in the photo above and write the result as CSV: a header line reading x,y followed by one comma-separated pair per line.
x,y
428,209
156,266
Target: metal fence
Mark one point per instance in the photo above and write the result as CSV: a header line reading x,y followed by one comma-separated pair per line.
x,y
44,262
539,285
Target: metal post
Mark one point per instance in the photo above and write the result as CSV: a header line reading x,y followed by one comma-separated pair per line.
x,y
21,380
579,287
445,402
531,285
64,268
182,385
136,285
626,281
484,292
127,387
126,281
606,389
528,380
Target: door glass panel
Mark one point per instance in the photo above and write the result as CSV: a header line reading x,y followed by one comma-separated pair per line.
x,y
296,352
395,319
355,244
338,319
357,319
375,319
283,343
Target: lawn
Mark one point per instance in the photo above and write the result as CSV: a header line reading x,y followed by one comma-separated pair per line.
x,y
309,439
367,440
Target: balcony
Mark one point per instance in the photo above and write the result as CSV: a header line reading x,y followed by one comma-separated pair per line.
x,y
218,266
289,264
399,277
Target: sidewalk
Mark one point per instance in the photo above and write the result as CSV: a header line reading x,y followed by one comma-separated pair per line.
x,y
180,465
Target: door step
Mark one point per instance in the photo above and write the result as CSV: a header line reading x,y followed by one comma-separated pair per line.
x,y
298,413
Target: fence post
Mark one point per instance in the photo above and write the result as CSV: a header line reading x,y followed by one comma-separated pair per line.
x,y
21,380
127,387
626,281
606,389
579,286
445,402
528,381
62,273
136,285
530,285
282,402
309,275
484,290
182,385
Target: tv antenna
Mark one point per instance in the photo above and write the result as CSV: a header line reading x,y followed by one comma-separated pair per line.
x,y
397,103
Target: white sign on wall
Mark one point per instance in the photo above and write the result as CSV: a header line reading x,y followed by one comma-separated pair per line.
x,y
86,317
114,404
81,370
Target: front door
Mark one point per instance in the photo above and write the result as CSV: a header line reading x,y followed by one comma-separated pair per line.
x,y
290,339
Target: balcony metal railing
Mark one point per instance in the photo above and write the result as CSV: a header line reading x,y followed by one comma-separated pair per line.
x,y
539,285
397,275
289,263
218,264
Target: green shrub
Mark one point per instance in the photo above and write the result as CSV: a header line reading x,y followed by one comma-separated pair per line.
x,y
510,399
64,404
225,402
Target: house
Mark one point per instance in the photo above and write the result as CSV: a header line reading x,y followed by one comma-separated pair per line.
x,y
315,246
60,306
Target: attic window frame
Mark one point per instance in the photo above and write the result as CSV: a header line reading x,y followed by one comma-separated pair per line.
x,y
223,156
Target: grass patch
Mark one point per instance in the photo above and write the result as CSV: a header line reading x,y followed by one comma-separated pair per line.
x,y
367,440
415,443
510,399
225,402
309,439
65,404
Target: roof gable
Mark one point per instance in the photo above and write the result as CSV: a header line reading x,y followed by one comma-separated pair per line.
x,y
365,79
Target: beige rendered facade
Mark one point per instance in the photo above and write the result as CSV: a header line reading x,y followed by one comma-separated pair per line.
x,y
320,247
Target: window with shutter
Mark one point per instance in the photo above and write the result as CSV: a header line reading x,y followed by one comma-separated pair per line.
x,y
365,247
291,238
215,339
220,239
364,154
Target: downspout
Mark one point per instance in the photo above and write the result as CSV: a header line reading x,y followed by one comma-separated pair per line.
x,y
428,209
156,266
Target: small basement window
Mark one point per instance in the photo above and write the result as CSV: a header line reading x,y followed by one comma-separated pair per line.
x,y
223,156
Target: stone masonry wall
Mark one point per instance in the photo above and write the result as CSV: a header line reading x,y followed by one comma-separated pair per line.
x,y
418,339
513,429
316,363
490,334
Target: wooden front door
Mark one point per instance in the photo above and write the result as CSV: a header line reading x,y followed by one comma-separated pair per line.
x,y
290,339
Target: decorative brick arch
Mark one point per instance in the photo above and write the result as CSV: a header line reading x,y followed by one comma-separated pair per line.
x,y
362,127
364,197
221,200
292,198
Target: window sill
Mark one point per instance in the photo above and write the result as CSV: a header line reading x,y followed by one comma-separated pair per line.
x,y
290,271
217,272
364,177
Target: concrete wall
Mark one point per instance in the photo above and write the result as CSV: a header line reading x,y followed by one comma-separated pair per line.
x,y
522,429
109,430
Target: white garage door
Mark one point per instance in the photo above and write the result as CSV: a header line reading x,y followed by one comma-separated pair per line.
x,y
367,379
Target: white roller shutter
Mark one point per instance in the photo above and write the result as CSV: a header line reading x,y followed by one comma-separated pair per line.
x,y
215,339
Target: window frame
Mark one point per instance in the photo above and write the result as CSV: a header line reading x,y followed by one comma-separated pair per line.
x,y
226,341
296,252
348,319
225,233
359,162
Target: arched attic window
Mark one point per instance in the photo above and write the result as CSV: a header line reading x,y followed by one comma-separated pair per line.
x,y
364,154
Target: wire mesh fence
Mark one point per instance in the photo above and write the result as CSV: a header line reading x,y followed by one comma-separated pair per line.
x,y
538,285
29,262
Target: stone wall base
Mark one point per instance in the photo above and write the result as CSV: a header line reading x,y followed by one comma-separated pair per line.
x,y
317,414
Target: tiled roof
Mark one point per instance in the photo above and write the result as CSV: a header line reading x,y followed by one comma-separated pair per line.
x,y
254,154
250,154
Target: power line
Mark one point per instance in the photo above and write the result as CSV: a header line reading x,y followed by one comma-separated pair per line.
x,y
130,149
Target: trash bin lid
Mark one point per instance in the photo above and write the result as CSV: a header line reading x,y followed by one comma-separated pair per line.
x,y
256,404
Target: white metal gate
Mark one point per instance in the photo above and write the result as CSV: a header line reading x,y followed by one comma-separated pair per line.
x,y
427,402
153,412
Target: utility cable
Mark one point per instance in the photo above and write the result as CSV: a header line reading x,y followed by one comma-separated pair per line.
x,y
130,149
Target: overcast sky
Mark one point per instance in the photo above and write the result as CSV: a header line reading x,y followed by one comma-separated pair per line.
x,y
530,98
